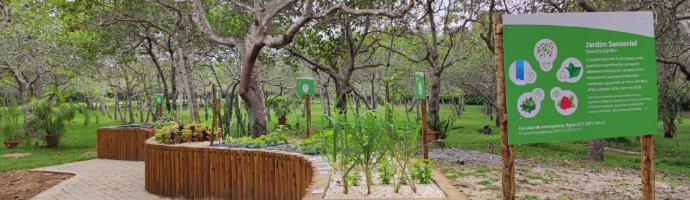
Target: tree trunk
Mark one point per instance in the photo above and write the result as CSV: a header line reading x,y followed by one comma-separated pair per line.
x,y
596,150
435,93
669,127
187,73
341,101
251,93
373,92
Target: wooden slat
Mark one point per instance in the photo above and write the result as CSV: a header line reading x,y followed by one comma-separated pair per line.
x,y
221,173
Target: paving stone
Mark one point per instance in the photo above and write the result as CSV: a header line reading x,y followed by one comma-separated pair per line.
x,y
99,179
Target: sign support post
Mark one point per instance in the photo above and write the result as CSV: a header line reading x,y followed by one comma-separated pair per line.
x,y
305,87
647,142
420,93
507,156
307,104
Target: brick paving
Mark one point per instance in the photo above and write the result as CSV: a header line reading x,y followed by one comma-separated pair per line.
x,y
99,179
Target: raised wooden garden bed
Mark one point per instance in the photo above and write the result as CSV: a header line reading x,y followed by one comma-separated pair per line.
x,y
222,173
122,142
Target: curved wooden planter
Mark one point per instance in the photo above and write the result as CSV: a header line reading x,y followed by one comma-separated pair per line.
x,y
122,143
224,173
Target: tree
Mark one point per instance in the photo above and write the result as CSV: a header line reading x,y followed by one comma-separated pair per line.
x,y
441,27
268,28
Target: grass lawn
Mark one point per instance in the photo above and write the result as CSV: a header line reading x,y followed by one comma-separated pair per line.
x,y
80,143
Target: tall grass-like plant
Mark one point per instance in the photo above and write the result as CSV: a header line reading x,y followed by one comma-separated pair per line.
x,y
52,114
367,133
9,122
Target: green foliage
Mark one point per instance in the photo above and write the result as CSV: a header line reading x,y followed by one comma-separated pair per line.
x,y
441,125
354,178
176,134
385,173
421,171
277,135
51,114
280,105
9,123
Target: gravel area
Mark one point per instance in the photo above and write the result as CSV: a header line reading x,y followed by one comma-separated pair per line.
x,y
379,191
459,155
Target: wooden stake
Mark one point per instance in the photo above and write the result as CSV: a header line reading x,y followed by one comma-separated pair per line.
x,y
422,103
508,177
307,104
647,171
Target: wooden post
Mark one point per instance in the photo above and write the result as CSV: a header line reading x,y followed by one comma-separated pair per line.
x,y
508,177
422,104
307,104
648,188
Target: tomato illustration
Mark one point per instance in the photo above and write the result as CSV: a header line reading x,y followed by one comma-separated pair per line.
x,y
566,103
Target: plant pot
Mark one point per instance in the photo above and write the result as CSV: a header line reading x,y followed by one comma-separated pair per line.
x,y
432,135
11,144
52,140
282,121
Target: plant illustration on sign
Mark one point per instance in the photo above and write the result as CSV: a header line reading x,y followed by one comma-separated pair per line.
x,y
566,102
573,71
528,105
545,50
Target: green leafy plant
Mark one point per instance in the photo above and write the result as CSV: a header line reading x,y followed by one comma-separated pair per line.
x,y
385,173
176,134
52,114
354,178
280,105
528,105
421,170
440,125
9,122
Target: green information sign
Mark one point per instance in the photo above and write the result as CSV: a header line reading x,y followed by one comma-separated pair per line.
x,y
158,99
579,76
419,90
218,93
305,86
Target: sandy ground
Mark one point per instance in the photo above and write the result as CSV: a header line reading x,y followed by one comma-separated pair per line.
x,y
567,180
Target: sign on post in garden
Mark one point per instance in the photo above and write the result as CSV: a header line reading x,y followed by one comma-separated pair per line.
x,y
419,90
578,76
158,99
305,86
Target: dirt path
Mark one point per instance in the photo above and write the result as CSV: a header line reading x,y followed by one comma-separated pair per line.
x,y
481,180
25,184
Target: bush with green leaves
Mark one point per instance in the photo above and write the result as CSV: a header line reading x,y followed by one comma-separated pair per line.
x,y
9,123
176,134
52,114
273,138
280,105
386,172
421,171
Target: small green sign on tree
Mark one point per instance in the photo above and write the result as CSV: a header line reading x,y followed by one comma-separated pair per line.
x,y
420,92
158,99
305,86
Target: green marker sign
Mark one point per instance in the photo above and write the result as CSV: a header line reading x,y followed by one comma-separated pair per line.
x,y
158,99
419,90
578,76
305,86
218,93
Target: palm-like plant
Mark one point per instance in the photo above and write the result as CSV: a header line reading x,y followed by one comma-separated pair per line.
x,y
51,115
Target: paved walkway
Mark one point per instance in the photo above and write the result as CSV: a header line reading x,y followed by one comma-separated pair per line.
x,y
99,180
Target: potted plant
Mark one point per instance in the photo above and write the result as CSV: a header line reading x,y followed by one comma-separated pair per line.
x,y
9,126
51,114
281,106
438,128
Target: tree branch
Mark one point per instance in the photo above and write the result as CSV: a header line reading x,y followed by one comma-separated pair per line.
x,y
201,22
330,71
684,68
586,6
